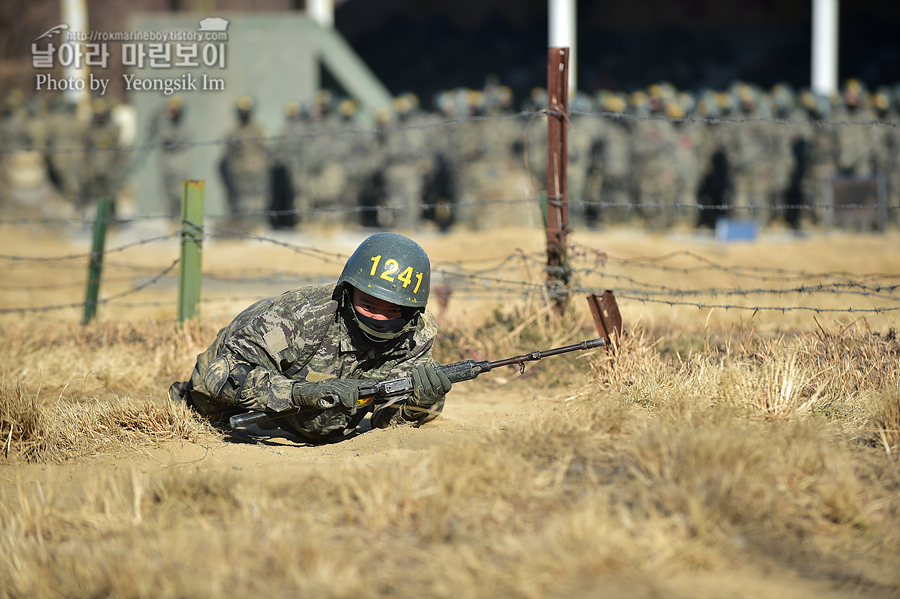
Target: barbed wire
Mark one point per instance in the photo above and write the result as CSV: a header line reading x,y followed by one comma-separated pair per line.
x,y
82,256
782,309
572,204
826,288
488,277
733,120
652,262
99,302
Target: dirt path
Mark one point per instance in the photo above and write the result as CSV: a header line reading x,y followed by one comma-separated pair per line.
x,y
470,407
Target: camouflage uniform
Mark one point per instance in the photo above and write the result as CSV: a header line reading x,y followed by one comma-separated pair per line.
x,y
174,161
102,161
655,143
406,165
688,156
747,152
301,336
821,152
854,149
886,140
245,167
66,134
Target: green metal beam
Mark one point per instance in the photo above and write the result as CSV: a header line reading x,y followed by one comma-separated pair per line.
x,y
191,264
95,268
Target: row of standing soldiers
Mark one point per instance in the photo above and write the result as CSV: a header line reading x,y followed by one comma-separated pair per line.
x,y
322,167
658,156
673,158
83,160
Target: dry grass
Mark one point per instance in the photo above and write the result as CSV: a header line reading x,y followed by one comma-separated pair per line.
x,y
697,447
780,451
68,430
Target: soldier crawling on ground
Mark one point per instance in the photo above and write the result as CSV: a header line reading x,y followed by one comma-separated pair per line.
x,y
304,356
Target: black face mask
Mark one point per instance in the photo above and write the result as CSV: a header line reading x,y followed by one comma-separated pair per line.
x,y
381,329
377,331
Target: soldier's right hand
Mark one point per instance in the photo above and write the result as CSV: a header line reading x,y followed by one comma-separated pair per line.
x,y
328,394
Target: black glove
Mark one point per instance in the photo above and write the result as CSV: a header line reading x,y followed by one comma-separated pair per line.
x,y
327,394
429,385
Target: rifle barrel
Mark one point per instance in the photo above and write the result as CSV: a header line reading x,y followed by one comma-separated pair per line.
x,y
537,355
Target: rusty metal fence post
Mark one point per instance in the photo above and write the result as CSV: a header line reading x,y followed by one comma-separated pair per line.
x,y
557,157
607,317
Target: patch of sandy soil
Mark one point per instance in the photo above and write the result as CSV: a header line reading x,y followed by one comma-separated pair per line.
x,y
471,408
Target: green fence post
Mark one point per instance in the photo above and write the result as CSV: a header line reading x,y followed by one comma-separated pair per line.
x,y
95,267
190,267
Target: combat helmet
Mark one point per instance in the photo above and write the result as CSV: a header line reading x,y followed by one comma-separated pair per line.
x,y
244,108
881,100
100,109
293,111
175,107
390,267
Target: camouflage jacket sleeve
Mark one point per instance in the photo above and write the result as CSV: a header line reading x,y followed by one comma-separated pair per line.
x,y
257,358
390,415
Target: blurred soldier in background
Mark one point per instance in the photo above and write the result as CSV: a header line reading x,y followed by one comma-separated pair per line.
x,y
23,167
355,152
103,159
501,170
442,185
822,146
474,166
606,180
688,157
785,154
174,162
748,159
245,169
886,144
38,123
406,164
714,185
654,145
64,156
583,129
286,165
14,121
327,160
341,160
854,143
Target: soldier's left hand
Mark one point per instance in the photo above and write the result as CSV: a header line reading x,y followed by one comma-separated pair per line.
x,y
429,385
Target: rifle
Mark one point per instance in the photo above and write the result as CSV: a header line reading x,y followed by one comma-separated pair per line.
x,y
381,391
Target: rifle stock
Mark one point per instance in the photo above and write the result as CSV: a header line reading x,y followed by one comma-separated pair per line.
x,y
466,370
